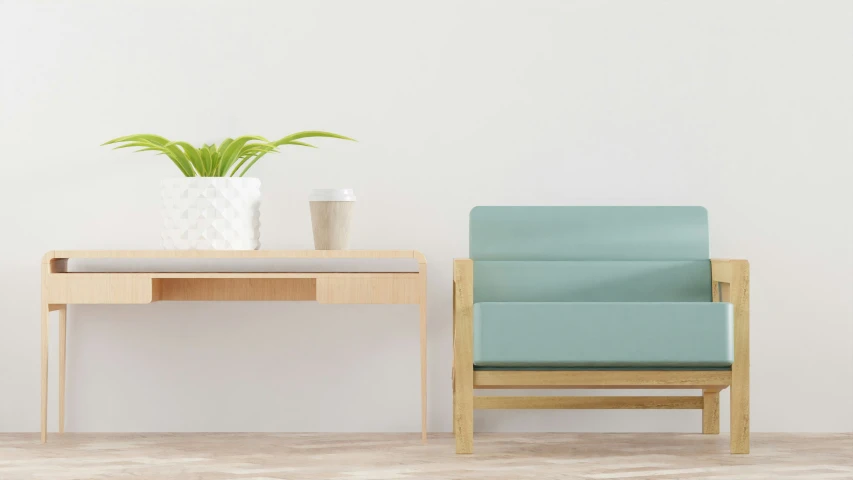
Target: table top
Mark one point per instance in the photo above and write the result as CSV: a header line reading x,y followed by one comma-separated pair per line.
x,y
234,254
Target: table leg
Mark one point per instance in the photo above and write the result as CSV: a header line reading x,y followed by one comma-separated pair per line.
x,y
62,317
422,271
45,312
423,379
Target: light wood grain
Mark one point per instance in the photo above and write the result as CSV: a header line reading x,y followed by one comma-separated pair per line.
x,y
724,270
137,288
601,378
710,412
45,313
453,424
45,345
62,368
235,289
463,355
422,298
733,276
387,288
588,403
103,288
725,292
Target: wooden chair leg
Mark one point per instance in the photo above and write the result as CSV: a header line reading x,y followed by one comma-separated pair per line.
x,y
737,292
463,356
740,411
463,414
710,411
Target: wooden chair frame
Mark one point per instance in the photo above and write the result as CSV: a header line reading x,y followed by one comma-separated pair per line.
x,y
730,283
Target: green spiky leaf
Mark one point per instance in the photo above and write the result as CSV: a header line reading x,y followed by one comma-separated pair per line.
x,y
226,159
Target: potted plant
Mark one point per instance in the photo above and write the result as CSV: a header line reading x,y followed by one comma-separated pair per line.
x,y
214,206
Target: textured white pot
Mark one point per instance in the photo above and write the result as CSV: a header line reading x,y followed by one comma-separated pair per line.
x,y
211,213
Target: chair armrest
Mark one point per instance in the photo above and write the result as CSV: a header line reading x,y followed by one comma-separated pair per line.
x,y
463,294
463,270
726,270
730,283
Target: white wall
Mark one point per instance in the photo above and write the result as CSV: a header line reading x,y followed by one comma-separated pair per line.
x,y
744,107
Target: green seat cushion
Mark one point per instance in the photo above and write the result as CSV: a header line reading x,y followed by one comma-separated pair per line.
x,y
603,334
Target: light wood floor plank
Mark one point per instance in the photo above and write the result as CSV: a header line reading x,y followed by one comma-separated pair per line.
x,y
586,456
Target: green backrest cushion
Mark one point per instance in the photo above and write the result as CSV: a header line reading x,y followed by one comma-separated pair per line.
x,y
588,233
593,281
590,254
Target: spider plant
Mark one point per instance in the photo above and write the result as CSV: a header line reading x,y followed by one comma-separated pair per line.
x,y
231,158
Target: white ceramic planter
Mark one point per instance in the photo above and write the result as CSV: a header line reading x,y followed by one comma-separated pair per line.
x,y
211,213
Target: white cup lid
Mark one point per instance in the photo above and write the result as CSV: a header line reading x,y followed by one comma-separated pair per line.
x,y
332,195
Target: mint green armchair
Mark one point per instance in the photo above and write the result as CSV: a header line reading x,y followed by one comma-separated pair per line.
x,y
599,297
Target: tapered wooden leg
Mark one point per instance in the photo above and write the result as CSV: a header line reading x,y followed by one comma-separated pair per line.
x,y
62,317
453,367
710,412
423,287
463,356
44,346
423,373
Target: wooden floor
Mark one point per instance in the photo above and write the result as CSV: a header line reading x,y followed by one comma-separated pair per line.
x,y
402,456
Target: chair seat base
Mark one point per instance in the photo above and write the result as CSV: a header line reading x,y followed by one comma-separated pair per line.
x,y
674,379
601,369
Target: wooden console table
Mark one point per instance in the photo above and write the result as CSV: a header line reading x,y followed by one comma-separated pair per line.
x,y
61,287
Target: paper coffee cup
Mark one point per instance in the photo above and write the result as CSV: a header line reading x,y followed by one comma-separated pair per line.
x,y
331,212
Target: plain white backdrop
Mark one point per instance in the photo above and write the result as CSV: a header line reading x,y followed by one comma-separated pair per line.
x,y
743,107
